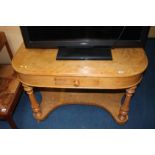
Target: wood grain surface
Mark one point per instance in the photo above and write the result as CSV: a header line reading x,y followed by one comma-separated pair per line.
x,y
126,62
39,68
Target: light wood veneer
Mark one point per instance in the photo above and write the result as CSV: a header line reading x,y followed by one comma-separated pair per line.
x,y
39,68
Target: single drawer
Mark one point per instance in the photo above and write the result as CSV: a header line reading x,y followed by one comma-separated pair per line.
x,y
77,82
67,81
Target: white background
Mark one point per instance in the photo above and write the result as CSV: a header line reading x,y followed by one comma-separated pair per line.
x,y
77,12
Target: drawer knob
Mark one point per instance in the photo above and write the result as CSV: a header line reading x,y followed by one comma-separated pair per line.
x,y
76,83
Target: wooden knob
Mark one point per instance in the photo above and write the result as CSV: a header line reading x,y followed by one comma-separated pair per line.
x,y
76,83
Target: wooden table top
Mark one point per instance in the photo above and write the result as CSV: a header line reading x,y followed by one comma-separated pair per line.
x,y
126,62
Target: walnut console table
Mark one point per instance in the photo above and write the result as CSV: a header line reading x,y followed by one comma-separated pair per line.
x,y
70,81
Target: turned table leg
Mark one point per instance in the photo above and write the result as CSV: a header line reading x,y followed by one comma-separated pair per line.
x,y
123,113
34,103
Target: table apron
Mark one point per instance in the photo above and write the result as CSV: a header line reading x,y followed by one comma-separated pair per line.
x,y
80,82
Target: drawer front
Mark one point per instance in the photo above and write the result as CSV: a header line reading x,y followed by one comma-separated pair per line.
x,y
76,82
67,82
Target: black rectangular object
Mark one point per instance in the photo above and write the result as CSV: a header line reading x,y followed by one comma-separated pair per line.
x,y
84,54
84,36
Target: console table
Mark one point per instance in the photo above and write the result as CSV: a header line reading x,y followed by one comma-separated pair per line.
x,y
80,81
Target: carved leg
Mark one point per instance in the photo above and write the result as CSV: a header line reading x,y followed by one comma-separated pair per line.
x,y
123,113
34,104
